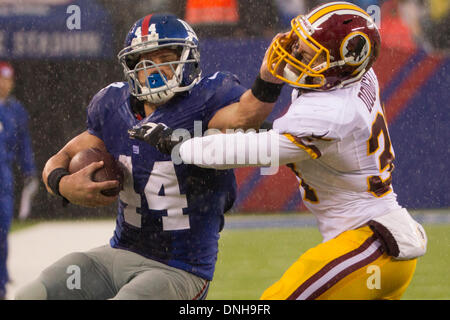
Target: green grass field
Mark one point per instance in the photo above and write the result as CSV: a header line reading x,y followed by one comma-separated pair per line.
x,y
251,260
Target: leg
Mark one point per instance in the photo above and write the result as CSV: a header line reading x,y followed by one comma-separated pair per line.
x,y
351,266
6,215
156,281
149,285
74,277
385,279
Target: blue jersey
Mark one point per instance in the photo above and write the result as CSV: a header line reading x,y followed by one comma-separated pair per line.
x,y
15,144
168,212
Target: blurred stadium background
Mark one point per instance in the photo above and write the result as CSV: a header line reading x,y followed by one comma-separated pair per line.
x,y
59,70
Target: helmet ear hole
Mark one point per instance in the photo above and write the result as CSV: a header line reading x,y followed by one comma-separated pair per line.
x,y
131,61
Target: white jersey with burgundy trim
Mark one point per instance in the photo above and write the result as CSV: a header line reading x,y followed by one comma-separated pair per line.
x,y
346,180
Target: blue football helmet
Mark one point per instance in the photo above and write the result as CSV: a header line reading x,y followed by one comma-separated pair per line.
x,y
154,32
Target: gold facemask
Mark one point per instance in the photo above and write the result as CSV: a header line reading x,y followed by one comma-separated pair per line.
x,y
283,65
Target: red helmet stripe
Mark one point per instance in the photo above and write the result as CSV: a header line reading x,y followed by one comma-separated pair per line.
x,y
145,25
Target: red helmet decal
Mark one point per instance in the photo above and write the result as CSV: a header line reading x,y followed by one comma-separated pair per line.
x,y
145,25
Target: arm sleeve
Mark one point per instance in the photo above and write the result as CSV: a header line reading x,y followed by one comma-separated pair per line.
x,y
100,106
94,121
315,124
228,92
235,150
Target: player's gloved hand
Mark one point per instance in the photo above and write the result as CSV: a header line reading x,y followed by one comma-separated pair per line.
x,y
155,134
266,125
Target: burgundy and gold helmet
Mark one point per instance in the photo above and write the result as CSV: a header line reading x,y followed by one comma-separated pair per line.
x,y
343,38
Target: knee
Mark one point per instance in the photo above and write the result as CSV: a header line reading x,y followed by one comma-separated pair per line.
x,y
67,265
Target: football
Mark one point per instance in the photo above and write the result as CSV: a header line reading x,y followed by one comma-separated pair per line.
x,y
111,169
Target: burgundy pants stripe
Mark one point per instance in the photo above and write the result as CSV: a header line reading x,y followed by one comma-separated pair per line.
x,y
338,269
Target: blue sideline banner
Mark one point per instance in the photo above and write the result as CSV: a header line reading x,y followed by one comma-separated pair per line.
x,y
54,29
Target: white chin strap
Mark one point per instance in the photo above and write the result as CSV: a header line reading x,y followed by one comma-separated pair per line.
x,y
292,76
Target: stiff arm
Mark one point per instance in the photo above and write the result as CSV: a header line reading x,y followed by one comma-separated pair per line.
x,y
236,150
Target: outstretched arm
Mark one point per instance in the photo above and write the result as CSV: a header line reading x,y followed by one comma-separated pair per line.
x,y
226,151
235,150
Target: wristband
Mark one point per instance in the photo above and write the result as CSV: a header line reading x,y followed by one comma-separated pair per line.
x,y
54,178
266,91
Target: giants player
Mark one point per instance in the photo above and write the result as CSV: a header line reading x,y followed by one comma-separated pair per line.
x,y
169,215
335,139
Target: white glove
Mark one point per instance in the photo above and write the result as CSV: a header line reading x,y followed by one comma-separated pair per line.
x,y
29,191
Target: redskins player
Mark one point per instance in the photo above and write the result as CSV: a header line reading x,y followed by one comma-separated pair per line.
x,y
335,139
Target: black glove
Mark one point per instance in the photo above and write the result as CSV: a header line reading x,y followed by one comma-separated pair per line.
x,y
155,134
266,125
